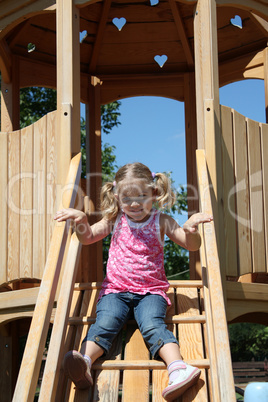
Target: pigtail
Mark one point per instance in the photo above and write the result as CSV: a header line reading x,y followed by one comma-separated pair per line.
x,y
165,195
109,204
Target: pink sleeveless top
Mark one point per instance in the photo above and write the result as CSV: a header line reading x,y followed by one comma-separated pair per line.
x,y
136,258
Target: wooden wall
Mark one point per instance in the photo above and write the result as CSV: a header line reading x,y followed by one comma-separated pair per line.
x,y
245,194
28,167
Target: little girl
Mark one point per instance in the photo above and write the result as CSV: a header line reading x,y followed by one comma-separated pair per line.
x,y
135,283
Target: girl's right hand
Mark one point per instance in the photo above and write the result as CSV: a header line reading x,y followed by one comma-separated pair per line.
x,y
71,213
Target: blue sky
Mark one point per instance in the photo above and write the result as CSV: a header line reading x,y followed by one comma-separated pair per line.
x,y
152,128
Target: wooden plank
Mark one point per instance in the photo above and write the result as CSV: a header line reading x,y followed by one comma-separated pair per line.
x,y
145,53
135,382
88,308
229,257
4,206
13,205
68,343
264,150
148,32
191,342
107,381
247,291
26,203
39,197
256,196
210,262
160,377
242,194
55,351
51,175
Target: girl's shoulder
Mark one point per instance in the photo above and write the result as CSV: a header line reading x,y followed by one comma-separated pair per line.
x,y
166,221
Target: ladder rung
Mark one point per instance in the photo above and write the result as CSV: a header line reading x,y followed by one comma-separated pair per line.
x,y
142,364
176,319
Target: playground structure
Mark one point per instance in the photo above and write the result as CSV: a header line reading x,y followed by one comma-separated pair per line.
x,y
97,52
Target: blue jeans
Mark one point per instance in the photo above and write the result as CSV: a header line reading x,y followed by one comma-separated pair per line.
x,y
115,309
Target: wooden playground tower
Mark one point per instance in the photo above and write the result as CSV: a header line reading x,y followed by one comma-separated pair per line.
x,y
202,48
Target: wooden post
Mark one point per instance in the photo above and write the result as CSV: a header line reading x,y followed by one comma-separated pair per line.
x,y
94,172
265,56
10,100
68,84
207,106
191,146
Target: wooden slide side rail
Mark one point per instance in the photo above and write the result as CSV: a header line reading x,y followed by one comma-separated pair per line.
x,y
218,341
29,370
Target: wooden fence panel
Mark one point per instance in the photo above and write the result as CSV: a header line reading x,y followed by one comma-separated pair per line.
x,y
242,194
26,203
39,217
256,196
245,193
264,149
51,175
28,179
3,203
13,204
228,194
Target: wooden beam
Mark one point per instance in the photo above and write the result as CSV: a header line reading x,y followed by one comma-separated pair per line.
x,y
191,146
261,23
13,12
182,34
5,61
68,83
10,100
208,108
97,44
94,175
258,6
265,59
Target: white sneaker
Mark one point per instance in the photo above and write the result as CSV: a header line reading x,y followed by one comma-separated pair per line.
x,y
187,376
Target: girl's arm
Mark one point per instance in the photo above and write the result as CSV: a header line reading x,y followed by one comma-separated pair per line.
x,y
86,234
188,235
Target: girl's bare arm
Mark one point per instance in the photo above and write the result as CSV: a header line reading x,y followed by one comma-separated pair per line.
x,y
188,235
86,234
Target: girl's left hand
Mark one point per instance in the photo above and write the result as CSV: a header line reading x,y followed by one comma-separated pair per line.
x,y
191,226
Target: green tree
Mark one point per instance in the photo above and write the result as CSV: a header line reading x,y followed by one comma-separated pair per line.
x,y
248,341
35,102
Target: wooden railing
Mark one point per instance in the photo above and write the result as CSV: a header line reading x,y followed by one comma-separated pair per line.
x,y
223,385
244,150
30,366
28,161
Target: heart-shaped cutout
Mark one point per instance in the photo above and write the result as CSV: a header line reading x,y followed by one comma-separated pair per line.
x,y
154,2
119,22
237,21
82,36
161,60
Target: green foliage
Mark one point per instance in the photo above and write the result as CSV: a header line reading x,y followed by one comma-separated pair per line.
x,y
248,341
35,102
110,116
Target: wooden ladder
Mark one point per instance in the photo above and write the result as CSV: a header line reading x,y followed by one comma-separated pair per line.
x,y
196,317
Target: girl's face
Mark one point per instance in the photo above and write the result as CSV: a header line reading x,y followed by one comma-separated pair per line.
x,y
136,199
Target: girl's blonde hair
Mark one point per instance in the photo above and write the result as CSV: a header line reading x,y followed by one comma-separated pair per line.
x,y
160,182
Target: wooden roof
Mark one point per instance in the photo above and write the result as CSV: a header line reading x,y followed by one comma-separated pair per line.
x,y
164,30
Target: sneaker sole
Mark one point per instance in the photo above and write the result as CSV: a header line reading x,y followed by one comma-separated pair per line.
x,y
178,389
75,368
